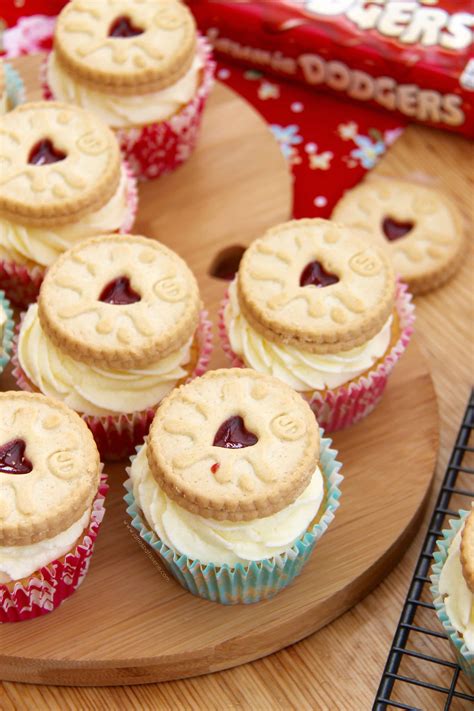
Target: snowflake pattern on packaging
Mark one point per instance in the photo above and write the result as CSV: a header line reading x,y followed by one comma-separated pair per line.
x,y
47,588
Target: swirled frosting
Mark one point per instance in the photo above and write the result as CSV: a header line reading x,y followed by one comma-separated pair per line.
x,y
18,562
459,600
221,542
300,369
43,245
120,111
92,390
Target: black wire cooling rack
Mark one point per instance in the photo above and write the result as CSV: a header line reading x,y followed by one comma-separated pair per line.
x,y
421,673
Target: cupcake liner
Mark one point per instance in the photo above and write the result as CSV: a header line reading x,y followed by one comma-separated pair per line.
x,y
21,283
464,656
116,436
347,404
260,580
14,85
6,343
159,148
45,590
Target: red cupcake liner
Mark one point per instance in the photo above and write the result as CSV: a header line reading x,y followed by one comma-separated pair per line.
x,y
117,436
160,148
21,283
345,405
49,586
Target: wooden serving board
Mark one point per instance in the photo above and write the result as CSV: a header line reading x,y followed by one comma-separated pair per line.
x,y
129,622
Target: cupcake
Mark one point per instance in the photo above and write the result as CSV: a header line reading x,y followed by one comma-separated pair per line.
x,y
234,485
317,305
421,228
453,587
52,497
6,331
141,67
12,91
118,324
62,181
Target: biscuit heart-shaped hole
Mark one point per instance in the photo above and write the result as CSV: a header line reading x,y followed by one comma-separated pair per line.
x,y
123,27
44,153
314,274
394,229
119,292
233,434
12,458
226,262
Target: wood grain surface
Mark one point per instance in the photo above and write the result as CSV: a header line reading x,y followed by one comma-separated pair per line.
x,y
340,666
138,620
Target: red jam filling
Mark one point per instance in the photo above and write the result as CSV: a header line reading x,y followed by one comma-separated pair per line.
x,y
12,458
119,292
44,153
232,434
123,27
314,274
393,229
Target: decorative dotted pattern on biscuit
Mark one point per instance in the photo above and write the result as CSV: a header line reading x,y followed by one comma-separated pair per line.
x,y
63,469
82,181
420,228
158,50
234,483
467,551
318,319
128,335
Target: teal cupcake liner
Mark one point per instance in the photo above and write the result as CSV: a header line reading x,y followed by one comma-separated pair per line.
x,y
15,86
260,580
464,656
7,340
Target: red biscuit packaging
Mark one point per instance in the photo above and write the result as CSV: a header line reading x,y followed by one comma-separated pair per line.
x,y
412,57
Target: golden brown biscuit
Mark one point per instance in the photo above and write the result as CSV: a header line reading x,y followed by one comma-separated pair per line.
x,y
421,228
233,445
49,468
316,285
58,163
120,301
126,46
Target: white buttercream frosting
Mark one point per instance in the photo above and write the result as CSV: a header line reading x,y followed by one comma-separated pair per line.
x,y
92,390
459,600
221,542
302,370
122,111
18,562
43,245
